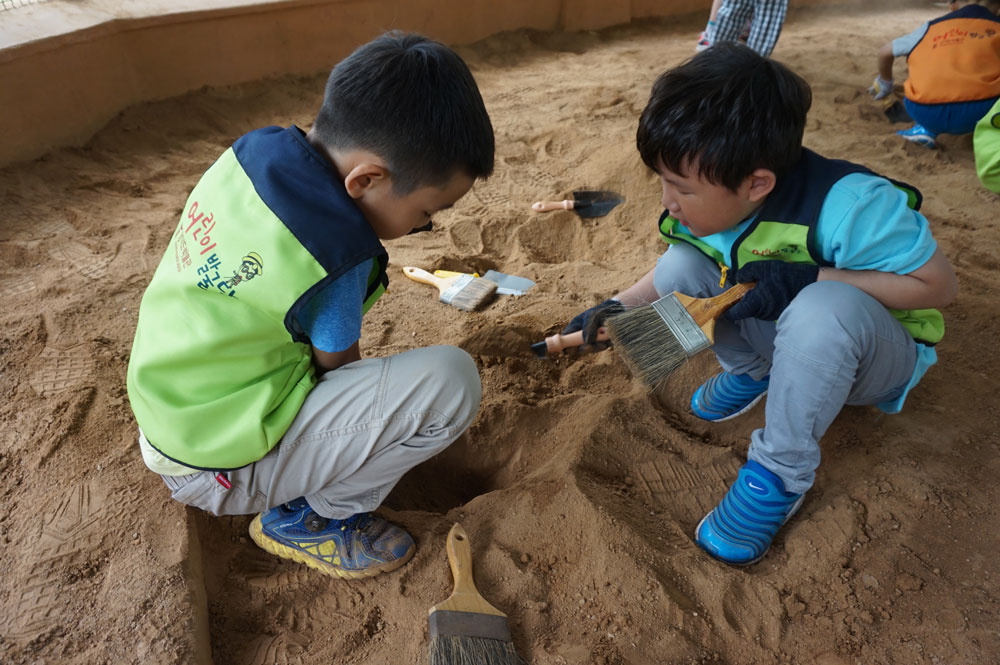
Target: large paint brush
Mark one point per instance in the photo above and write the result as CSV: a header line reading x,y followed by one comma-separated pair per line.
x,y
461,291
656,339
465,629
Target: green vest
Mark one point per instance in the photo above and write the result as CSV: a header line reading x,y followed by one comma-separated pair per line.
x,y
987,148
785,230
219,367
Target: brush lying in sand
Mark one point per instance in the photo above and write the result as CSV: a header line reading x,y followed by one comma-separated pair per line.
x,y
656,339
463,291
465,629
557,343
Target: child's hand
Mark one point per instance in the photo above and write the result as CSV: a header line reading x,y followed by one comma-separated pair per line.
x,y
590,320
778,283
880,88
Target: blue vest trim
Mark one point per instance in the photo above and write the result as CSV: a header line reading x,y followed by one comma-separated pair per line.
x,y
306,193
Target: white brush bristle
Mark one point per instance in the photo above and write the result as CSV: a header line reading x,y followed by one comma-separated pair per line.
x,y
469,293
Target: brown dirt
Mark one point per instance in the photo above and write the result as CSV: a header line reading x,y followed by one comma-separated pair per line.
x,y
579,491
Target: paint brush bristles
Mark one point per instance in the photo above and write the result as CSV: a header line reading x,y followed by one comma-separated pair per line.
x,y
469,293
462,291
651,351
656,339
451,650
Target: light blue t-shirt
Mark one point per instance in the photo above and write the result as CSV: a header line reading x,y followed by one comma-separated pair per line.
x,y
905,44
865,224
332,317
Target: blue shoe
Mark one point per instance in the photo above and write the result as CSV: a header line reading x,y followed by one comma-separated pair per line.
x,y
919,134
740,529
360,546
726,396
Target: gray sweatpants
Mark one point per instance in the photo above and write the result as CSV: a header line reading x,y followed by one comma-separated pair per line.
x,y
360,429
833,345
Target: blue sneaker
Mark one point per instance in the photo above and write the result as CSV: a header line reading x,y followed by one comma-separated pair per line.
x,y
740,529
726,396
360,546
919,134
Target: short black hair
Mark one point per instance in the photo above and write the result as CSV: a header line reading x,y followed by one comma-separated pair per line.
x,y
414,103
730,109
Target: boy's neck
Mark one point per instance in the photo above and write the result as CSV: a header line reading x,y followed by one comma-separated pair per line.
x,y
338,160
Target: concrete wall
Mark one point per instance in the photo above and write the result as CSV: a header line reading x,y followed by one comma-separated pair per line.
x,y
68,68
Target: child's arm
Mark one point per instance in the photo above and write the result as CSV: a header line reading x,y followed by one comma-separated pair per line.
x,y
641,293
885,60
931,285
326,361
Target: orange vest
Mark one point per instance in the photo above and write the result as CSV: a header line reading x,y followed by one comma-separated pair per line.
x,y
958,60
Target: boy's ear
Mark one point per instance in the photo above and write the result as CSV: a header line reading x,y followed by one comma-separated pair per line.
x,y
762,181
364,177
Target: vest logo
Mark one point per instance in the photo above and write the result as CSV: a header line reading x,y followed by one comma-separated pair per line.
x,y
778,251
252,266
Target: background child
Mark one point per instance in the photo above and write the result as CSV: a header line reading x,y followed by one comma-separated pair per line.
x,y
954,70
756,22
986,142
842,260
246,377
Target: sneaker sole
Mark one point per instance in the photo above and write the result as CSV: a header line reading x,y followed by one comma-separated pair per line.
x,y
746,408
272,546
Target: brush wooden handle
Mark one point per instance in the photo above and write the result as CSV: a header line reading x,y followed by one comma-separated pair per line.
x,y
465,597
705,311
556,343
546,206
424,277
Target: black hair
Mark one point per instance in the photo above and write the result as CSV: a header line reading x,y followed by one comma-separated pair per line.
x,y
414,103
730,109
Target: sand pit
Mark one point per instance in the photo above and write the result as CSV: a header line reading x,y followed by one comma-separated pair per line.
x,y
579,491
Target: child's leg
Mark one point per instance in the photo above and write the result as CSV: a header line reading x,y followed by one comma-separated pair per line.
x,y
835,345
768,18
953,118
743,347
732,16
360,429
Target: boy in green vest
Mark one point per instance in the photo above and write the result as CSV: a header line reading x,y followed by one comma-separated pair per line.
x,y
246,377
844,265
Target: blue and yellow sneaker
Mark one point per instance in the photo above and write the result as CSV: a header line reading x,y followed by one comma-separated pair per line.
x,y
726,396
740,529
920,135
360,546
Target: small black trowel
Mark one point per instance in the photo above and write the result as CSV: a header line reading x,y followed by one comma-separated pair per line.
x,y
895,111
585,203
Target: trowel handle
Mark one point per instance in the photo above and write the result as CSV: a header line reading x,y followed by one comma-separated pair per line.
x,y
557,343
546,206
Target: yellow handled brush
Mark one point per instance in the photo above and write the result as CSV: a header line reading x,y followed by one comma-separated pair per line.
x,y
462,291
465,629
656,339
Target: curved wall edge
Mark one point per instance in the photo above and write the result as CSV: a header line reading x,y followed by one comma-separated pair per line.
x,y
59,89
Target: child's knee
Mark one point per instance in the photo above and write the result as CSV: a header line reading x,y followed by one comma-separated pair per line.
x,y
685,269
452,373
825,315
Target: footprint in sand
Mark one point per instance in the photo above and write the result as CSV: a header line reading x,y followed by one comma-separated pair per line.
x,y
62,369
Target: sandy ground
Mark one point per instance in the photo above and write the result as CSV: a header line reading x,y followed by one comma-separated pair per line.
x,y
580,492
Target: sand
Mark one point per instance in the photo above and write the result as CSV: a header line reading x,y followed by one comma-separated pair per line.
x,y
579,490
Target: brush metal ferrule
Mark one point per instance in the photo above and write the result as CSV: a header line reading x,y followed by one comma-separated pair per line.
x,y
469,624
691,337
448,295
